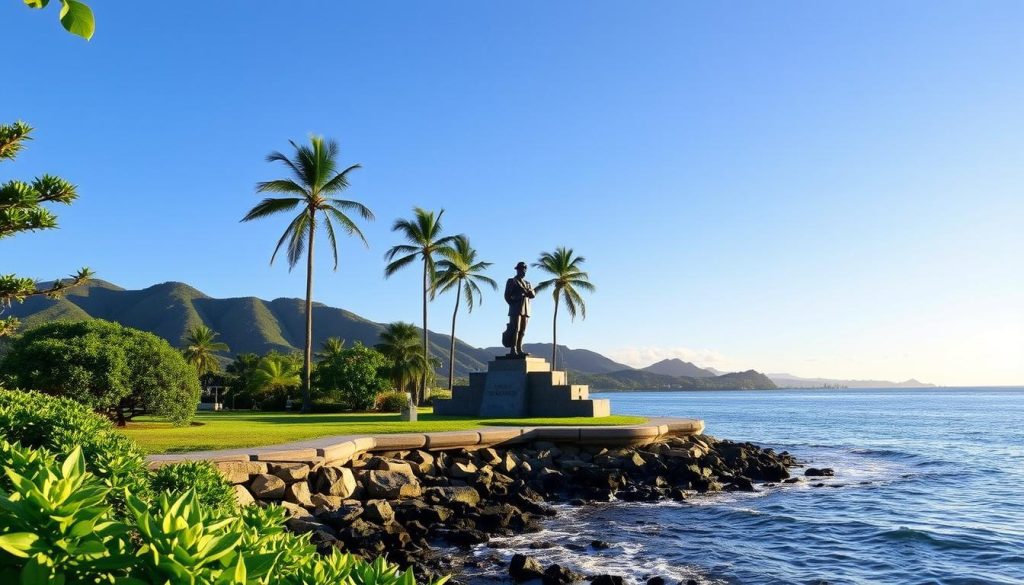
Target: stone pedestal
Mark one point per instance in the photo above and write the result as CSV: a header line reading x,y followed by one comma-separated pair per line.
x,y
520,388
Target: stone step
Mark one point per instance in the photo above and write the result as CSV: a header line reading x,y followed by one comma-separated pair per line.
x,y
562,393
589,408
547,379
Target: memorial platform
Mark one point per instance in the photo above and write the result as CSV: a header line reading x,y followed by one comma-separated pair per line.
x,y
520,388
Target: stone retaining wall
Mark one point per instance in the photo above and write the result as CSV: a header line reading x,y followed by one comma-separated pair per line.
x,y
341,450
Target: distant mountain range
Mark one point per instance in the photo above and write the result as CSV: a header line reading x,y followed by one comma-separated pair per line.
x,y
249,324
791,381
676,368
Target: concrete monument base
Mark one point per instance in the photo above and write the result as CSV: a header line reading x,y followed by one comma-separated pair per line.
x,y
520,388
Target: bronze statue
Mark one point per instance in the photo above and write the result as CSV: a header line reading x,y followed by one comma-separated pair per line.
x,y
518,293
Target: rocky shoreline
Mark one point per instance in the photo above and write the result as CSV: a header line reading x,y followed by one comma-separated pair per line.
x,y
410,505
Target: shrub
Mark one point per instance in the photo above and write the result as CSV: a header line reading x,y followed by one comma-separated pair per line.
x,y
438,394
60,528
212,490
390,401
61,425
351,377
113,369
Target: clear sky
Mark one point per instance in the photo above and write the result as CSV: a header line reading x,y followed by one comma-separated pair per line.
x,y
824,189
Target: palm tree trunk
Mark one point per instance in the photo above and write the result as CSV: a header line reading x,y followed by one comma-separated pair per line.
x,y
426,347
307,371
554,332
451,351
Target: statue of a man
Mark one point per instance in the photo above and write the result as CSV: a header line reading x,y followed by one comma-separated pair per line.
x,y
518,292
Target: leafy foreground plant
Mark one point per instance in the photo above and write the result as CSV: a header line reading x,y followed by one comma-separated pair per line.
x,y
56,526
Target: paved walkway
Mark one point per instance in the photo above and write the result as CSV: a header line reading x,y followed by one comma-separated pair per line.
x,y
341,448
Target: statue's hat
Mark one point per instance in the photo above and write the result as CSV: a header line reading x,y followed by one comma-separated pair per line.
x,y
520,265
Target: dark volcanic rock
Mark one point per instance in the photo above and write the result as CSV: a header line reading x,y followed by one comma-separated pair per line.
x,y
606,580
524,568
559,575
599,544
822,472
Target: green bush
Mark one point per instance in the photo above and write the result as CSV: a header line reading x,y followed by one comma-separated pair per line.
x,y
351,377
390,401
61,425
438,394
113,369
59,527
212,490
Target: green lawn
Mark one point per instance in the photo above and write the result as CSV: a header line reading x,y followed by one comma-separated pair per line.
x,y
227,430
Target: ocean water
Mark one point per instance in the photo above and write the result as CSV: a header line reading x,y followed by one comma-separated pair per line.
x,y
929,488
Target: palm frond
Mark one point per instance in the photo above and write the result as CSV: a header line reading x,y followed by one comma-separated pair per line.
x,y
347,224
281,186
396,265
331,239
288,233
339,182
270,206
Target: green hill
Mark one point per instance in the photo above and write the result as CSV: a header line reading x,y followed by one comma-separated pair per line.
x,y
246,324
643,380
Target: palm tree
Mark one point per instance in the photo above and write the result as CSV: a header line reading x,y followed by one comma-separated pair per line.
x,y
567,283
400,344
461,271
331,348
200,348
276,373
423,233
315,178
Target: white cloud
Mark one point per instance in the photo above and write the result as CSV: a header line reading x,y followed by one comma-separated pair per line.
x,y
641,357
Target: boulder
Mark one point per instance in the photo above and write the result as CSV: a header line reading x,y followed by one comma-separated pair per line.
x,y
382,464
524,568
298,493
606,580
488,456
325,501
267,487
240,471
656,581
447,495
242,496
422,460
822,472
342,517
599,544
290,472
392,485
462,470
335,481
379,512
559,575
304,525
295,510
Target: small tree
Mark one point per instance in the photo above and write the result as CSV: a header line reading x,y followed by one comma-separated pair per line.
x,y
352,377
201,348
22,209
400,344
276,376
115,370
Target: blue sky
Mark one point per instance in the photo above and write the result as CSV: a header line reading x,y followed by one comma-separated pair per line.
x,y
823,189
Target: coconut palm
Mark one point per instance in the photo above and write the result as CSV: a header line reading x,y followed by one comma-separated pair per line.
x,y
461,270
331,348
567,282
400,344
200,349
423,232
315,178
276,373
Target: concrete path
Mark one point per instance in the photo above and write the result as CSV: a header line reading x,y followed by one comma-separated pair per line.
x,y
341,448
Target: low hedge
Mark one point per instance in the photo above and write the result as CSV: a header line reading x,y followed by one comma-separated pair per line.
x,y
76,506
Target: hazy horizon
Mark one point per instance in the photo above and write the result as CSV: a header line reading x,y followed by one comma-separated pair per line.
x,y
828,191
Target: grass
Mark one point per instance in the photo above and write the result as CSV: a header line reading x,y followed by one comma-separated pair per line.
x,y
228,430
